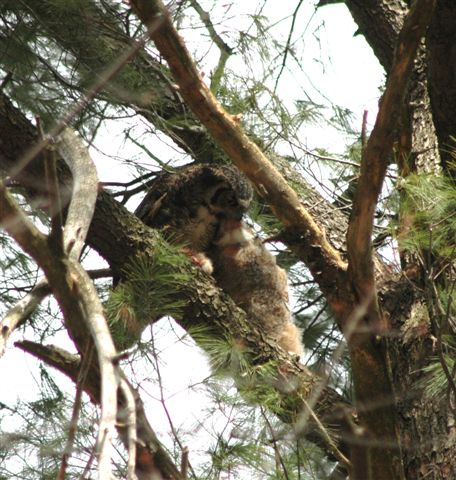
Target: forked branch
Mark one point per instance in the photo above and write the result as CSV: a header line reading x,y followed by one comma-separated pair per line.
x,y
376,155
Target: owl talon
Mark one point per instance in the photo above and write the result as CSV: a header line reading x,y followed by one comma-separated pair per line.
x,y
200,260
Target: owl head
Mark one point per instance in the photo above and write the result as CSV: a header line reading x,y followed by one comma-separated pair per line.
x,y
228,194
192,202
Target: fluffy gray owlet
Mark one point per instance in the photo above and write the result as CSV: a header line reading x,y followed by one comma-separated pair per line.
x,y
248,272
190,204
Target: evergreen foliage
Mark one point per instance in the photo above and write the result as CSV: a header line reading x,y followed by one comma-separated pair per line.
x,y
148,293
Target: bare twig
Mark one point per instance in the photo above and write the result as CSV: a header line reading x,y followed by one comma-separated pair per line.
x,y
21,311
55,201
78,300
129,419
153,459
103,79
364,130
184,463
278,455
288,44
18,314
225,50
86,362
327,437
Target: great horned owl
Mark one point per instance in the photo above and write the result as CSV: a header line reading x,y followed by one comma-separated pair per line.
x,y
248,272
191,203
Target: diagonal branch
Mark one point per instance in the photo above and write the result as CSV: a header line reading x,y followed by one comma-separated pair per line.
x,y
101,35
375,159
119,237
151,457
78,300
229,135
225,50
22,310
84,194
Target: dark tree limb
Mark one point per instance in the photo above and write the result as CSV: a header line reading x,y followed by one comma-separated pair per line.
x,y
380,21
370,366
80,305
99,36
376,155
441,61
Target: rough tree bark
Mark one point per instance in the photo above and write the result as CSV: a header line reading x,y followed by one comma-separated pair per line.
x,y
425,424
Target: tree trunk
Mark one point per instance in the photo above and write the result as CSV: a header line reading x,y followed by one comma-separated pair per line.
x,y
426,425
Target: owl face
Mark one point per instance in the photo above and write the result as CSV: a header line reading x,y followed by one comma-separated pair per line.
x,y
225,202
191,203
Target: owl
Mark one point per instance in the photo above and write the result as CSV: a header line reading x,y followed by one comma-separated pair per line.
x,y
248,272
189,205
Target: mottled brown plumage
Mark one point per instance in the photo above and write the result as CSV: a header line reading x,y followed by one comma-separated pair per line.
x,y
202,207
248,272
190,204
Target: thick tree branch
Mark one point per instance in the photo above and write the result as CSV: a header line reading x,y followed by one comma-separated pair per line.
x,y
70,283
85,190
27,305
229,135
441,61
99,37
369,360
380,21
78,300
119,236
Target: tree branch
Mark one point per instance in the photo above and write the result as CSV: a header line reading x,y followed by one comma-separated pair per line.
x,y
380,21
270,184
85,190
164,106
78,300
119,236
376,154
18,314
151,457
225,50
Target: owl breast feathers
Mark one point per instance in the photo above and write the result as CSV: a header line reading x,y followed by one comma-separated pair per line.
x,y
190,204
248,272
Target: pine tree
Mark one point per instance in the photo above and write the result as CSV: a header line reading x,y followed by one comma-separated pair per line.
x,y
369,249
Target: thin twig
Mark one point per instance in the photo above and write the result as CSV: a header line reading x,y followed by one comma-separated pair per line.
x,y
22,310
103,79
55,200
278,455
225,50
129,418
288,44
85,365
364,130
